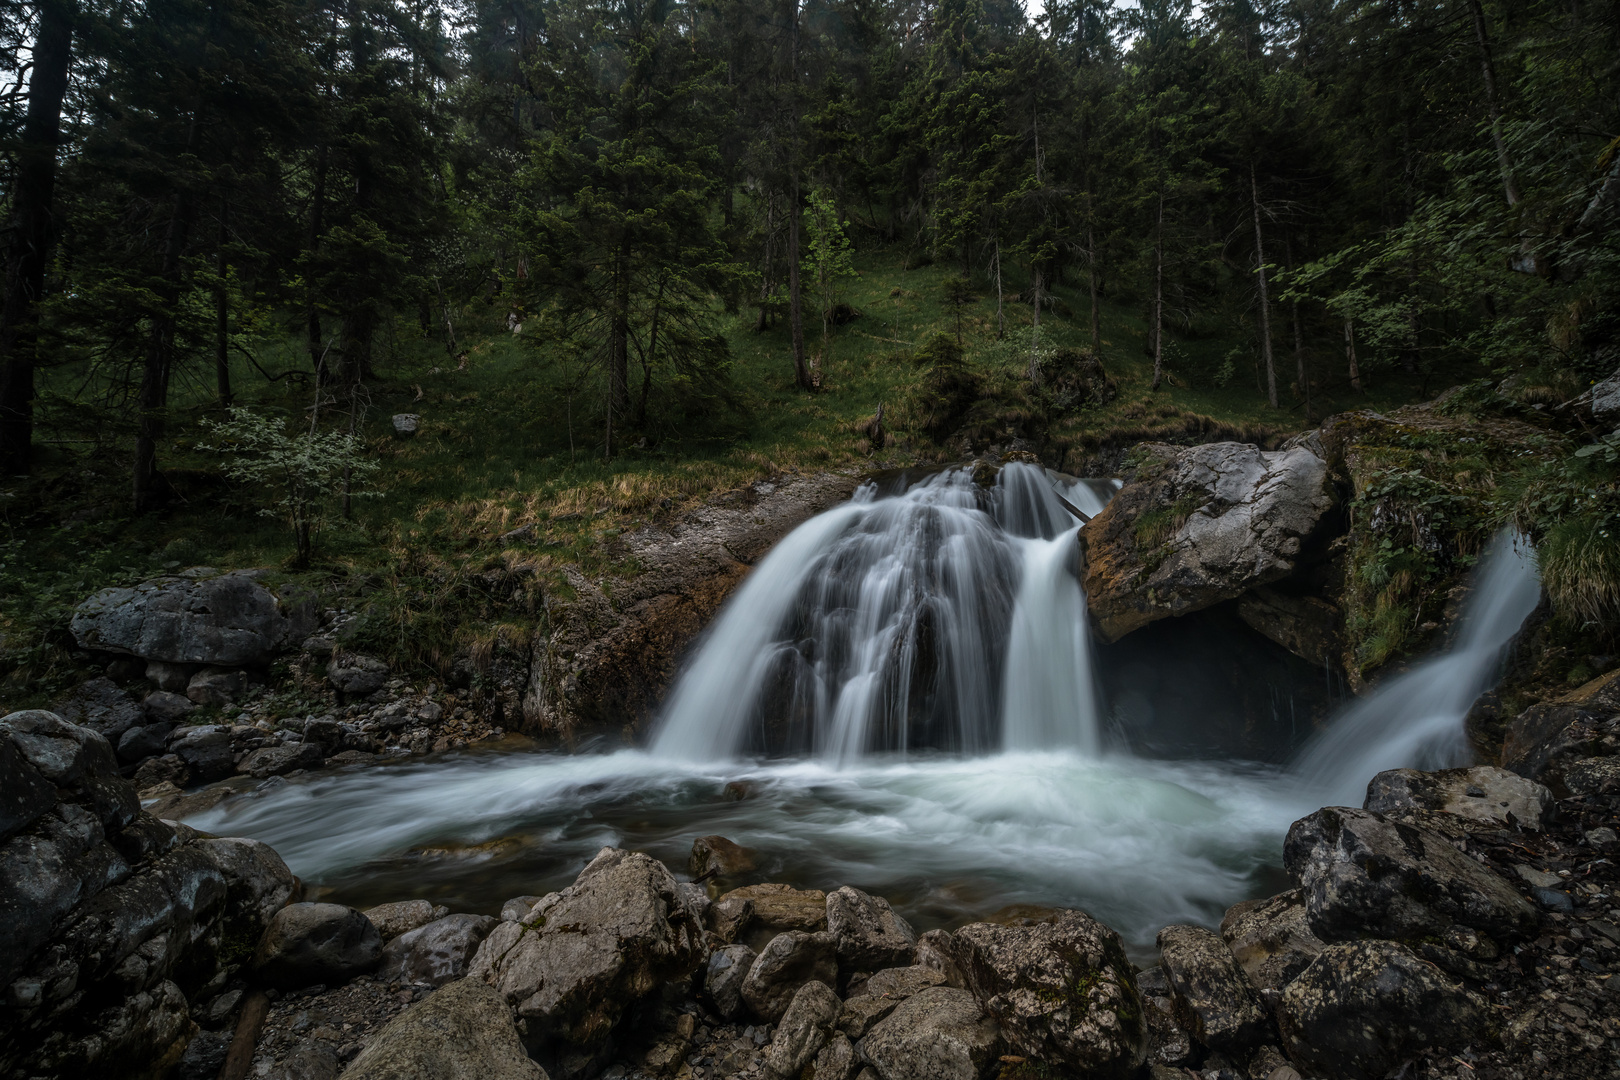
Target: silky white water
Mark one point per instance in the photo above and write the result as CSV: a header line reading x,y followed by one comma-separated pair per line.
x,y
900,697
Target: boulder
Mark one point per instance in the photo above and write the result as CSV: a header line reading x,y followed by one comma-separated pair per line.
x,y
435,954
781,907
25,795
1200,525
899,983
463,1031
403,916
199,617
326,733
941,1034
859,1014
1593,776
1483,793
1606,400
217,686
140,743
311,1059
1271,939
838,1060
357,675
934,950
1363,1008
170,678
102,705
1062,991
869,935
316,943
164,707
206,751
1366,876
723,981
257,880
514,910
1307,626
805,1028
406,424
715,856
1545,738
280,760
729,916
585,954
789,961
1214,1000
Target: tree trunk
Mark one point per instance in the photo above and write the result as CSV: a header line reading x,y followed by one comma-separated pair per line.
x,y
1350,354
1157,329
1509,186
1001,322
222,311
1035,332
32,233
1264,295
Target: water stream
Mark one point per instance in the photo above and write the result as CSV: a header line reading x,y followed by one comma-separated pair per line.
x,y
901,696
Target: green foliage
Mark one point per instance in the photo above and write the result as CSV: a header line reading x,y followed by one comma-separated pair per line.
x,y
827,259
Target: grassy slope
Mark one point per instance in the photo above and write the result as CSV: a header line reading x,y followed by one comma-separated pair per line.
x,y
503,445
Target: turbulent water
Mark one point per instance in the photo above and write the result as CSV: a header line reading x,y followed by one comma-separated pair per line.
x,y
901,697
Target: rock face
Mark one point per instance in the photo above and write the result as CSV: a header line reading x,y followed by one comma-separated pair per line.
x,y
1214,1000
437,953
1366,876
316,943
805,1028
586,953
868,933
1484,793
1061,990
200,617
1544,739
941,1034
1361,1009
1200,525
113,919
463,1032
1271,939
788,962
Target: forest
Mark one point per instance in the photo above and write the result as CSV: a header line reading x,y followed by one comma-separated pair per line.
x,y
610,255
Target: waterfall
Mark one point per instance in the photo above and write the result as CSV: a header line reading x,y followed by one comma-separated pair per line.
x,y
1417,719
945,617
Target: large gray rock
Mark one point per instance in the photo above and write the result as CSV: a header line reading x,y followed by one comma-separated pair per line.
x,y
196,618
585,954
217,686
102,705
1214,1000
786,963
868,933
206,751
1271,939
1366,876
1543,740
280,760
25,795
1200,525
140,743
777,908
164,707
355,674
316,943
1062,991
941,1034
1363,1008
805,1028
403,916
723,981
1483,793
464,1031
437,953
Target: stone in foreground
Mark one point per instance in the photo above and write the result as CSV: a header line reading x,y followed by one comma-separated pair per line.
x,y
1484,793
728,968
1061,990
198,617
1214,1000
1271,939
462,1032
941,1034
788,962
868,932
804,1029
316,943
435,954
1363,1008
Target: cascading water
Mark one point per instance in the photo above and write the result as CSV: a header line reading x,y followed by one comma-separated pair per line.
x,y
1416,720
948,618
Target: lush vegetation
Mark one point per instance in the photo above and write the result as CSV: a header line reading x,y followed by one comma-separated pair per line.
x,y
584,242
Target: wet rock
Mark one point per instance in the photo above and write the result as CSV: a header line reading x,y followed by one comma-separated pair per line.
x,y
217,686
781,907
280,760
226,620
941,1034
715,856
140,743
358,675
1546,738
900,983
464,1031
1593,776
1306,626
805,1028
403,916
723,981
1200,525
789,961
1062,991
164,707
1214,999
1484,793
588,952
206,752
1271,939
102,706
868,933
316,943
437,953
514,910
1363,1008
1366,876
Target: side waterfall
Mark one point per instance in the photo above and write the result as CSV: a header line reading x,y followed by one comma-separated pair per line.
x,y
1416,720
948,617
